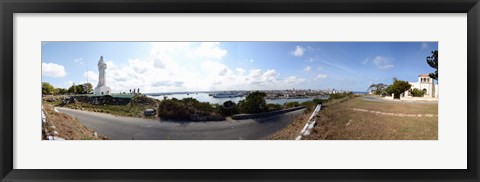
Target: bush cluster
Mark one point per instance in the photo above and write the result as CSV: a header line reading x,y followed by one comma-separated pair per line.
x,y
188,109
274,107
291,104
417,92
338,96
254,103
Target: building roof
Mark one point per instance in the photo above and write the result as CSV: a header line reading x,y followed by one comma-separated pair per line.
x,y
424,75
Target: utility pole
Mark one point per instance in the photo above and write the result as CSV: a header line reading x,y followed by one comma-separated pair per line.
x,y
86,61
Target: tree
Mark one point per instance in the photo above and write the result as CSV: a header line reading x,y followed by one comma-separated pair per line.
x,y
61,91
229,108
87,88
377,88
433,62
398,87
72,89
47,88
254,103
79,89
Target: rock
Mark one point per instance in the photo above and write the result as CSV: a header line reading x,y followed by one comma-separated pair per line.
x,y
59,138
44,118
307,132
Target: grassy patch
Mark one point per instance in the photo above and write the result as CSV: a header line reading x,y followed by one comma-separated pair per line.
x,y
394,107
340,122
132,109
129,110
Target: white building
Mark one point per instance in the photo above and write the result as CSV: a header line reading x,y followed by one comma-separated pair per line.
x,y
425,83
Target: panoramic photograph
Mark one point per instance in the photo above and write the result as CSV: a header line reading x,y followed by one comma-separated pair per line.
x,y
239,90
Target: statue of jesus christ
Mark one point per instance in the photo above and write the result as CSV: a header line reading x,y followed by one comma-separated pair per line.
x,y
101,72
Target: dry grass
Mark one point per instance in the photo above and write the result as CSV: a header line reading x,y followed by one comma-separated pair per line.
x,y
291,131
130,110
394,107
341,122
68,127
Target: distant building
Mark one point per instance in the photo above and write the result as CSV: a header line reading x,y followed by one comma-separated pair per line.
x,y
425,83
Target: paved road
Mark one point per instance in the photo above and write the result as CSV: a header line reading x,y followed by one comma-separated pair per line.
x,y
126,128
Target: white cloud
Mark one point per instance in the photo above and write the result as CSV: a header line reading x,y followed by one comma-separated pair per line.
x,y
78,60
270,75
298,52
175,67
216,68
365,61
92,77
251,60
307,69
167,83
292,80
319,76
240,71
386,67
53,70
139,66
162,53
67,84
383,63
210,50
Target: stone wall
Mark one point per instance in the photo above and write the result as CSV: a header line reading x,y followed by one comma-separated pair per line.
x,y
97,100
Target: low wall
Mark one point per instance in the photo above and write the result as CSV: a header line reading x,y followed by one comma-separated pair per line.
x,y
419,98
265,114
98,100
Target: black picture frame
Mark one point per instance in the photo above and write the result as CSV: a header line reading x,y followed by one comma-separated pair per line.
x,y
9,7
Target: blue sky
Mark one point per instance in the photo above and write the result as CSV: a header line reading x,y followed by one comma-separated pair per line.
x,y
203,66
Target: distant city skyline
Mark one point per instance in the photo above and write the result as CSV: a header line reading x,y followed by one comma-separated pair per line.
x,y
211,66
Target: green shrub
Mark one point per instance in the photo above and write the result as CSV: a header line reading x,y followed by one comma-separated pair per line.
x,y
173,109
291,104
254,103
229,108
337,96
417,92
274,107
317,101
187,109
308,104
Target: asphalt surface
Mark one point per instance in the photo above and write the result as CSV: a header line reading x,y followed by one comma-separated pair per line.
x,y
127,128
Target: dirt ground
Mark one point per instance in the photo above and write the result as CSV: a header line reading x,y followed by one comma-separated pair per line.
x,y
291,131
359,119
66,126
